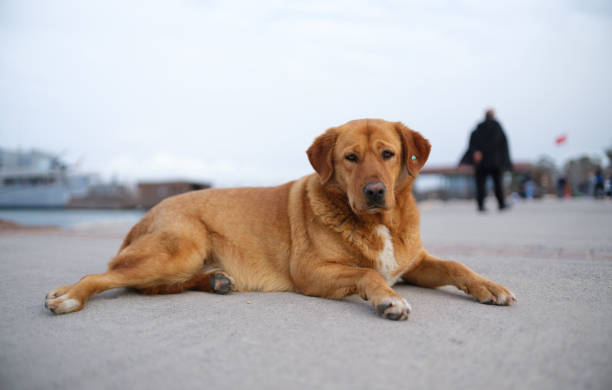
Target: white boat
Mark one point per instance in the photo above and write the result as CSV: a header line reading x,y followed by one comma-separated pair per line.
x,y
37,179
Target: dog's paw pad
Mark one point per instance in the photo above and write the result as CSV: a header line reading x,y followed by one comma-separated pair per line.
x,y
221,283
396,309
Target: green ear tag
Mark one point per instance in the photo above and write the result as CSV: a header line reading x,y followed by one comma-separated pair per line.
x,y
413,157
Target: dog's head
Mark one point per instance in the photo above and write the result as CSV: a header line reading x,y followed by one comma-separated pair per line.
x,y
370,160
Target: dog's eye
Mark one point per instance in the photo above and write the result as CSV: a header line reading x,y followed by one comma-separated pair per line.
x,y
352,157
387,154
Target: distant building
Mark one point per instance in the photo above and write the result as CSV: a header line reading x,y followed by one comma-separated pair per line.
x,y
151,193
579,174
105,196
457,182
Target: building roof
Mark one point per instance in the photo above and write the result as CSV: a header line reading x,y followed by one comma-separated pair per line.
x,y
460,170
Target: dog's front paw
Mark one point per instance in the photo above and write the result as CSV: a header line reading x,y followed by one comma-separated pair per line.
x,y
393,308
491,293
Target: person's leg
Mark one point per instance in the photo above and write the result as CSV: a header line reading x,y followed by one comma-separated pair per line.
x,y
481,179
498,175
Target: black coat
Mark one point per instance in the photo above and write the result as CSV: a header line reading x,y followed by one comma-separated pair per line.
x,y
490,139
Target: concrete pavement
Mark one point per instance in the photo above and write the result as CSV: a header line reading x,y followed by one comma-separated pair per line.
x,y
555,256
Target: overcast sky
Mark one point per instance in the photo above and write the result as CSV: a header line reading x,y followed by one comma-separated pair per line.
x,y
235,92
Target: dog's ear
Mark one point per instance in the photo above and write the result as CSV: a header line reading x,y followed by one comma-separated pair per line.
x,y
321,154
415,148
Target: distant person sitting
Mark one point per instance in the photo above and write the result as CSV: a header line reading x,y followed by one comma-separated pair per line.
x,y
488,152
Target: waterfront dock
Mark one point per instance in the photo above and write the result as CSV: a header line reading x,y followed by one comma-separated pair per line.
x,y
556,256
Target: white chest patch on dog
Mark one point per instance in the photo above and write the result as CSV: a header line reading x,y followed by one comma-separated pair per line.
x,y
386,258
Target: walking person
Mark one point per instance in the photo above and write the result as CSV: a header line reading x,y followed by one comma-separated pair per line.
x,y
488,152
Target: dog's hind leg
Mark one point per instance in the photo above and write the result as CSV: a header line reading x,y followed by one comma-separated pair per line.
x,y
215,281
152,260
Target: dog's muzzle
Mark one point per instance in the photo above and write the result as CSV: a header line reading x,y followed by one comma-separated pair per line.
x,y
375,194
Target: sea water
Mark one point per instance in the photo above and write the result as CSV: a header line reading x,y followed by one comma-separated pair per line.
x,y
69,218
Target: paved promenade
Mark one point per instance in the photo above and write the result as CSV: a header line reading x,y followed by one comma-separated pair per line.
x,y
556,256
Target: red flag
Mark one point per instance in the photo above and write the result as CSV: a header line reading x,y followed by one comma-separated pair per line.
x,y
561,139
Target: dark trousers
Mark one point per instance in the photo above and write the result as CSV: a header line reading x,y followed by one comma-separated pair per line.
x,y
481,180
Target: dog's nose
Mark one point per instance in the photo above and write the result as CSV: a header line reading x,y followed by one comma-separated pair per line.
x,y
375,192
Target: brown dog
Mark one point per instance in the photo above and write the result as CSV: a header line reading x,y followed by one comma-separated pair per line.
x,y
351,228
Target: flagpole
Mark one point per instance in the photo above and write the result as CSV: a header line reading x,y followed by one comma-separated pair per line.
x,y
560,141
